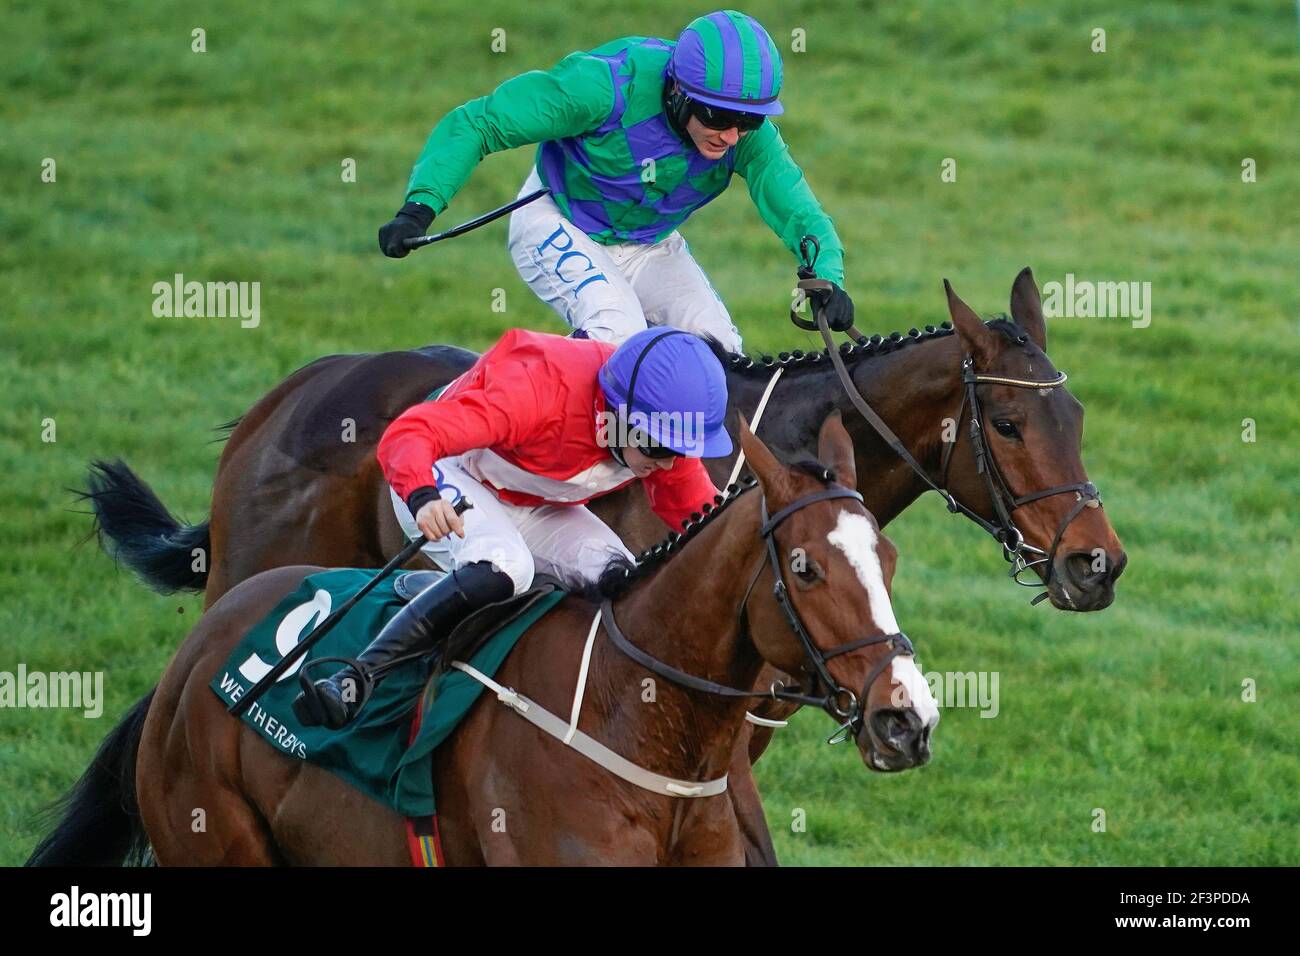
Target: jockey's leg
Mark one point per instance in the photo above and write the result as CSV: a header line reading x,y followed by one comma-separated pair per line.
x,y
569,542
491,527
488,565
673,290
576,276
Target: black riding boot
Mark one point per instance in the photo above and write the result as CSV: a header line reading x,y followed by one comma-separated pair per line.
x,y
415,631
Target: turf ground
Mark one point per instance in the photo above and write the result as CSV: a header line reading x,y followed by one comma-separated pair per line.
x,y
1122,165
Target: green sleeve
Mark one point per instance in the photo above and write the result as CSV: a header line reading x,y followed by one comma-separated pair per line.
x,y
576,96
786,201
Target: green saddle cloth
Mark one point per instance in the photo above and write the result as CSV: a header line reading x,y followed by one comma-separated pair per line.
x,y
374,753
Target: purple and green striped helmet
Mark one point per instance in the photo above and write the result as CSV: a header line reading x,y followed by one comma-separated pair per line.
x,y
727,59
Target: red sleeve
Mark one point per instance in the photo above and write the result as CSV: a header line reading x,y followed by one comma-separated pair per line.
x,y
682,489
500,412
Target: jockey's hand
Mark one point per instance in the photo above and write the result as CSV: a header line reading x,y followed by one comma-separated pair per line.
x,y
438,518
838,308
411,221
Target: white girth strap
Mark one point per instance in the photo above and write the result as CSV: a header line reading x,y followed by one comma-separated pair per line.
x,y
571,736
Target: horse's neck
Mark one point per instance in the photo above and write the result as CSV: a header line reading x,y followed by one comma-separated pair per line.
x,y
912,389
687,615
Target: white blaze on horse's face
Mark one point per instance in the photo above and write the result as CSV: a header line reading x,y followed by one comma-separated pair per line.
x,y
855,535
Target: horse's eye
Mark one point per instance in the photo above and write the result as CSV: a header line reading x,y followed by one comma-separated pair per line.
x,y
805,568
1006,428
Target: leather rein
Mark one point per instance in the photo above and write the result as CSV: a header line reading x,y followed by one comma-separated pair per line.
x,y
839,701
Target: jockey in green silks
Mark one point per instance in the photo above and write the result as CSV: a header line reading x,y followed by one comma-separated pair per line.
x,y
633,136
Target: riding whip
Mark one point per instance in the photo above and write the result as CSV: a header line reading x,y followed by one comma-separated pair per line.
x,y
473,224
238,708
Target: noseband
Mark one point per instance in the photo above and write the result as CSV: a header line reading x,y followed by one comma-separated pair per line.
x,y
838,701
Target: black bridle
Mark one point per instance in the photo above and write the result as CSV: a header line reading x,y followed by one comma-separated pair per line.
x,y
1005,502
838,701
1015,549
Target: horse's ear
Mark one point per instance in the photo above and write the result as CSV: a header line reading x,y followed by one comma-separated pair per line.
x,y
835,449
771,474
1027,307
978,340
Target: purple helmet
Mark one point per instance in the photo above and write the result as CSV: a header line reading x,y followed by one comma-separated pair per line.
x,y
669,384
727,60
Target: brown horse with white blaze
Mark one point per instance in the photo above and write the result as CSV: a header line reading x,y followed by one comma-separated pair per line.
x,y
508,793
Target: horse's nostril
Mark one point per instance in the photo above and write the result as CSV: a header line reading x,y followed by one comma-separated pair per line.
x,y
1081,568
895,728
1088,569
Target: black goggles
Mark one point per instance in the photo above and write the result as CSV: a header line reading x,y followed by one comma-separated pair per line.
x,y
646,445
715,117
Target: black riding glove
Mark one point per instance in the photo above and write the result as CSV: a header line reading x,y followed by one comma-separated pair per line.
x,y
837,306
411,221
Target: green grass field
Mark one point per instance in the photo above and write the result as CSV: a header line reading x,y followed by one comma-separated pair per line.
x,y
1123,165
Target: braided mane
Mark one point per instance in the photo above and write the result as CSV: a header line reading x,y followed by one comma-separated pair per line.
x,y
761,366
620,573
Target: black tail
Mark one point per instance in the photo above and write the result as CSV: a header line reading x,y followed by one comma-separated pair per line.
x,y
99,818
138,530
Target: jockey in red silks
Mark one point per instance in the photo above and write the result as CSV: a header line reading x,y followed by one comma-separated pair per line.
x,y
536,428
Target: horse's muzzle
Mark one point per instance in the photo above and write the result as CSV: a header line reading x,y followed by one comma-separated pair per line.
x,y
894,739
1083,582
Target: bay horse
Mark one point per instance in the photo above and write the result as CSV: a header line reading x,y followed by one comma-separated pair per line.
x,y
814,595
298,481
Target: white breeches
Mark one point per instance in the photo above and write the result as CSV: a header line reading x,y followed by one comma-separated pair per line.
x,y
565,541
612,292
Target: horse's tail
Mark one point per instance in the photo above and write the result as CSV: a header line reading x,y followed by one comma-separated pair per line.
x,y
99,818
138,530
